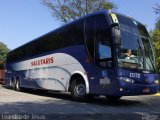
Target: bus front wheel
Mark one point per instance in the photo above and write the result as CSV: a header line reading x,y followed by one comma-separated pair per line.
x,y
78,90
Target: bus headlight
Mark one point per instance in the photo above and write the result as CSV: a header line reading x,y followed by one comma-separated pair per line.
x,y
156,82
127,80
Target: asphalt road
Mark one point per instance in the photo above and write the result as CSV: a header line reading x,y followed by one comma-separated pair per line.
x,y
48,105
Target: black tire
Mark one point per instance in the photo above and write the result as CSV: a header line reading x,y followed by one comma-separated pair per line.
x,y
12,84
78,90
113,98
17,86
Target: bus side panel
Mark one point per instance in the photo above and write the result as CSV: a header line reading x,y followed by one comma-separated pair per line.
x,y
12,75
49,71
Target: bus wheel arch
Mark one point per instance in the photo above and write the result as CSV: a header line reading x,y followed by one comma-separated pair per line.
x,y
78,87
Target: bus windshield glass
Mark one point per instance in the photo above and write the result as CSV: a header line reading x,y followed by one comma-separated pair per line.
x,y
135,49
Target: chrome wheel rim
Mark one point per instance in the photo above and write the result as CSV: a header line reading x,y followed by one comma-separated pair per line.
x,y
80,90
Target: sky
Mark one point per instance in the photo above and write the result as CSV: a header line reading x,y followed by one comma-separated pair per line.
x,y
24,20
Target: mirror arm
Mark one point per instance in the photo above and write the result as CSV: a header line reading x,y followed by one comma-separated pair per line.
x,y
114,25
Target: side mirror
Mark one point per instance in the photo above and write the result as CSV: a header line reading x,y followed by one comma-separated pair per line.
x,y
116,30
117,36
114,25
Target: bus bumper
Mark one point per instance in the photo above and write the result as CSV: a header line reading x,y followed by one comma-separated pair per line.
x,y
128,89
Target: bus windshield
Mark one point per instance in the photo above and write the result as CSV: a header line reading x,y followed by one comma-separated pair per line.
x,y
135,50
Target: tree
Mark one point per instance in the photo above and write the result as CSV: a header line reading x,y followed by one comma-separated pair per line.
x,y
157,9
69,10
157,25
3,54
155,36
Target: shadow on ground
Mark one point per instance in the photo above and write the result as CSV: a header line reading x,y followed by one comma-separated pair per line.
x,y
65,107
96,100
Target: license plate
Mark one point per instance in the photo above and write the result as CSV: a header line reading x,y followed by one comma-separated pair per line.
x,y
146,90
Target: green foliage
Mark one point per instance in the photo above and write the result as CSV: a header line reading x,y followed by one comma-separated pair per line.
x,y
69,10
3,54
155,36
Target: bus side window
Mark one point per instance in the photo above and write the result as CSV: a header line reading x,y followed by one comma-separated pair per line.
x,y
102,35
90,36
97,39
103,42
104,48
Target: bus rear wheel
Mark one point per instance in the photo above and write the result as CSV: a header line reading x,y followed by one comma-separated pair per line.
x,y
113,98
78,90
12,84
17,85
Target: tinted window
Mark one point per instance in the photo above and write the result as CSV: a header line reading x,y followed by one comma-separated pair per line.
x,y
72,34
90,35
96,27
104,46
64,37
101,24
17,54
